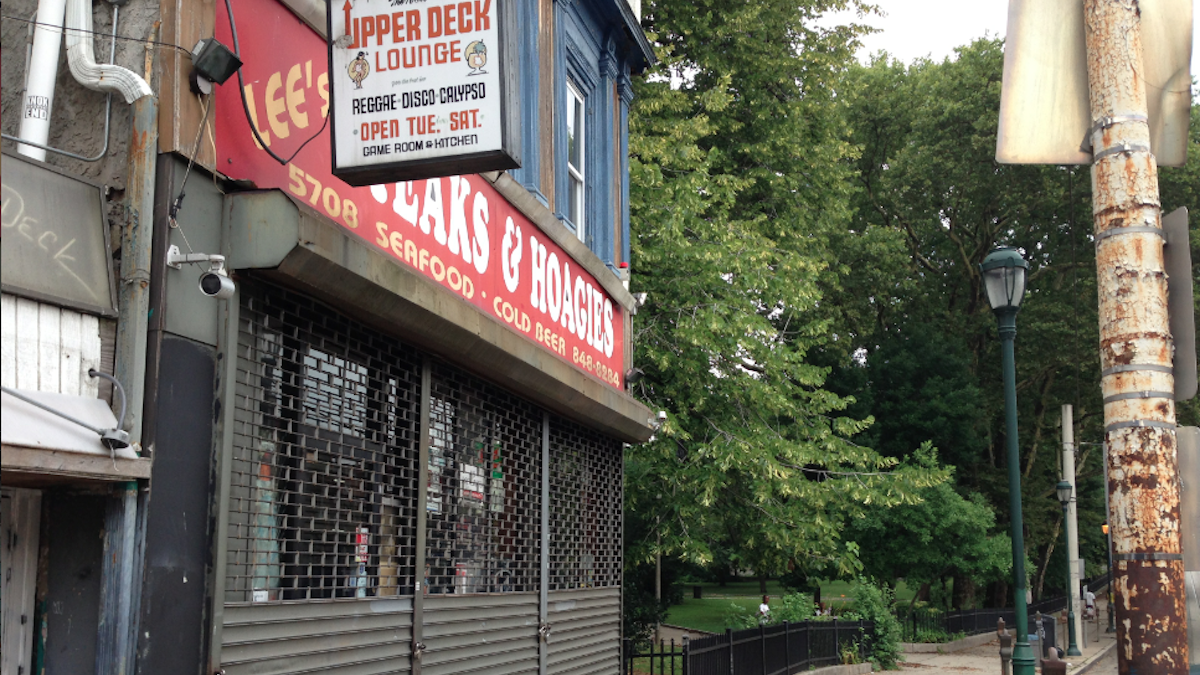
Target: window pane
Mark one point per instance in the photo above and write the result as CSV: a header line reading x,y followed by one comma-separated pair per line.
x,y
570,128
576,204
575,124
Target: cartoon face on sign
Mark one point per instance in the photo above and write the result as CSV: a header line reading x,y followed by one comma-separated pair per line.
x,y
476,56
359,69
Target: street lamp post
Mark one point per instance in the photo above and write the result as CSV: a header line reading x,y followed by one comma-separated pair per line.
x,y
1004,274
1112,623
1064,490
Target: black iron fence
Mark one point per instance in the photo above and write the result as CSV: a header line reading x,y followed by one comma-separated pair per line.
x,y
924,625
767,650
921,624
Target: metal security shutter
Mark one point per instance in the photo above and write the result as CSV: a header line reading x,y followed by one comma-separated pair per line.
x,y
384,511
584,607
328,637
493,634
322,493
587,631
483,528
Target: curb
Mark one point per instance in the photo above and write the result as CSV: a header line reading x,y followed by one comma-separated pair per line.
x,y
1091,661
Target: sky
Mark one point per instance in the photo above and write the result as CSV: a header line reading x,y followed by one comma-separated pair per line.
x,y
918,28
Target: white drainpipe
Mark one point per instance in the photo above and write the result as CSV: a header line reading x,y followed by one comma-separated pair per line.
x,y
82,59
43,69
39,87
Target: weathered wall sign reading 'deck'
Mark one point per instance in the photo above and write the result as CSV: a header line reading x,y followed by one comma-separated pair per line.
x,y
422,88
55,245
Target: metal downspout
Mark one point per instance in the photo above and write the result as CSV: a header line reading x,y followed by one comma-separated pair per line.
x,y
136,242
124,546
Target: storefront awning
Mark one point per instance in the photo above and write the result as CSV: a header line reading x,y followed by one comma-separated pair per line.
x,y
40,447
293,244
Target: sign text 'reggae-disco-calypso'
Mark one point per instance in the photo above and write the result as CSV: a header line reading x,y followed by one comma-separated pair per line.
x,y
414,82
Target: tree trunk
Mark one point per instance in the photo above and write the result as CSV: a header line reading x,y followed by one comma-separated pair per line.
x,y
762,584
1040,415
922,594
996,595
1045,561
964,592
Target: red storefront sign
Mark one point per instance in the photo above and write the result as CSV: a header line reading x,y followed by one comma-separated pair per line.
x,y
458,230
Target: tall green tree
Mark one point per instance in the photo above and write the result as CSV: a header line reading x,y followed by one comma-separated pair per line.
x,y
740,175
926,174
943,536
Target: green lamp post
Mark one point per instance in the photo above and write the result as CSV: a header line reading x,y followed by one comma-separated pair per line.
x,y
1004,272
1065,490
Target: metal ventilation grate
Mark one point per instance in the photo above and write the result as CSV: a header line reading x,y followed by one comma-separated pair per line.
x,y
585,507
323,486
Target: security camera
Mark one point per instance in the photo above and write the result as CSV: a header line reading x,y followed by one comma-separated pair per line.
x,y
216,284
662,416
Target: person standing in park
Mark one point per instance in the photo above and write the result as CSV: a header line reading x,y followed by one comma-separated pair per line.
x,y
764,611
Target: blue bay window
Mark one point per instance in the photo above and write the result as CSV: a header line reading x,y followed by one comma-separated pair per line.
x,y
576,94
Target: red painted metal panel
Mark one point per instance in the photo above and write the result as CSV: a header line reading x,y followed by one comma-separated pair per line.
x,y
458,230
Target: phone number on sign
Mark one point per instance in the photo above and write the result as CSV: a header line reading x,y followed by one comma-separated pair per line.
x,y
585,361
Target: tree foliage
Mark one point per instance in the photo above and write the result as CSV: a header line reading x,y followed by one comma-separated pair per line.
x,y
943,535
926,175
809,232
740,179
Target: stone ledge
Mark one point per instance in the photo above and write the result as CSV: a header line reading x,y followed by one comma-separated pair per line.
x,y
968,642
847,669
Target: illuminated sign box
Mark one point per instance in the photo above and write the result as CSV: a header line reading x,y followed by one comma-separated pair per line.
x,y
422,89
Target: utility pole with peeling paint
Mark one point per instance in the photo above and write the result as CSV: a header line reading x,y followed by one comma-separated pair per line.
x,y
1135,349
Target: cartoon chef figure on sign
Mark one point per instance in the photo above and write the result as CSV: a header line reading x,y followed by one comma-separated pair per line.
x,y
359,69
476,55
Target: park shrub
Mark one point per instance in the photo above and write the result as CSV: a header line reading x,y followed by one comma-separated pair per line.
x,y
738,617
931,635
874,603
793,608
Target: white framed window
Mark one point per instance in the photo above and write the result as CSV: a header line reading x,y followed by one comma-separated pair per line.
x,y
576,154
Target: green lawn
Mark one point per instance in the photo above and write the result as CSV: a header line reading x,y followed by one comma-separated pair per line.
x,y
708,613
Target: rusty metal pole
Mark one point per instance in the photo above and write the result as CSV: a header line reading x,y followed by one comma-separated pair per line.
x,y
1135,349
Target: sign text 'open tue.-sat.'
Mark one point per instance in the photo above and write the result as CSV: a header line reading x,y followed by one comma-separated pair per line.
x,y
415,82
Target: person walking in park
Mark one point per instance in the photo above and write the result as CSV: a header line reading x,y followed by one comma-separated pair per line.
x,y
764,611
